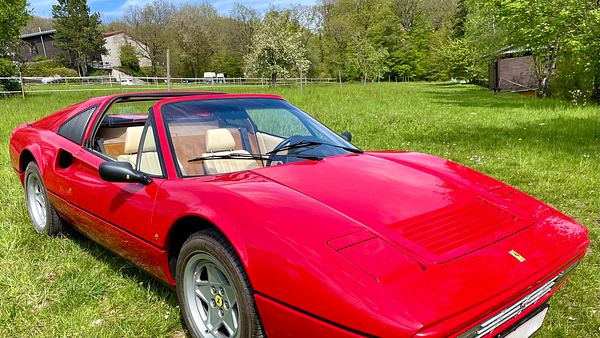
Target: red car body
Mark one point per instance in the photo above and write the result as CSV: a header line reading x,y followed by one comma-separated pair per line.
x,y
389,244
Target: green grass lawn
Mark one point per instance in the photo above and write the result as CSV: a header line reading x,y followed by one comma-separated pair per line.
x,y
69,286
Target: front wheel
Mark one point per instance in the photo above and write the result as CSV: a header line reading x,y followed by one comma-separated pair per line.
x,y
43,216
213,290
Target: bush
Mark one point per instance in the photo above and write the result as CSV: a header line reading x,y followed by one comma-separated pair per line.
x,y
98,72
47,68
62,71
8,69
128,57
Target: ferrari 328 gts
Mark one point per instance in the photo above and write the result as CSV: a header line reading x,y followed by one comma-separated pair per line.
x,y
267,223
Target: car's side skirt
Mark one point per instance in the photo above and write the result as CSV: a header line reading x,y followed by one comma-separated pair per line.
x,y
147,256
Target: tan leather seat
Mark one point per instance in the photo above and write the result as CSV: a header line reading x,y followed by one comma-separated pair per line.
x,y
220,142
150,163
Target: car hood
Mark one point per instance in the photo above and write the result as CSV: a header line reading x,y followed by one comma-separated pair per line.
x,y
432,217
437,237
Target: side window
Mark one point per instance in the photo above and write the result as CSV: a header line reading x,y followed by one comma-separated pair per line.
x,y
74,128
110,137
148,160
278,122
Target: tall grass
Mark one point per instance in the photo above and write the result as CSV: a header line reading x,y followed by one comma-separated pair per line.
x,y
69,286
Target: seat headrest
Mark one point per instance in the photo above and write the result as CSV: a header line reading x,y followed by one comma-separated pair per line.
x,y
219,140
133,135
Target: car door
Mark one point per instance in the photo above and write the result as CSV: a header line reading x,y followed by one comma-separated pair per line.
x,y
126,206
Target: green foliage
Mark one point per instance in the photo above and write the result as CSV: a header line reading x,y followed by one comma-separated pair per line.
x,y
8,69
47,68
129,59
13,16
366,59
549,28
461,62
39,58
151,27
276,49
99,72
367,40
78,32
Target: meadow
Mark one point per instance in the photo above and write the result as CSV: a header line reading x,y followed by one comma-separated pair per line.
x,y
70,286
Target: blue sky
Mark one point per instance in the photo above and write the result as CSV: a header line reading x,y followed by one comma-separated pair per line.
x,y
114,9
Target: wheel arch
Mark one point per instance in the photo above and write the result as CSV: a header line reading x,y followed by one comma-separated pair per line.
x,y
25,157
181,230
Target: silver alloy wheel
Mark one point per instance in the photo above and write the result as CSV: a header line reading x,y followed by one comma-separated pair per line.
x,y
211,300
36,202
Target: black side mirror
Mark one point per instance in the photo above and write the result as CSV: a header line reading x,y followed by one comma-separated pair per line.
x,y
122,172
347,136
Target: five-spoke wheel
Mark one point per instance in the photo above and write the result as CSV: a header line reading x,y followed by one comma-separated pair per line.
x,y
213,289
43,215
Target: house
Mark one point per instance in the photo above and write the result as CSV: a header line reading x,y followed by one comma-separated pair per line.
x,y
40,43
114,42
43,43
513,71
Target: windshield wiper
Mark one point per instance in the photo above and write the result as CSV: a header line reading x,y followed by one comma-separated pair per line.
x,y
305,143
238,156
230,156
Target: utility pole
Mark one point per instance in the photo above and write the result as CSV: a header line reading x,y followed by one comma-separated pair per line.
x,y
168,70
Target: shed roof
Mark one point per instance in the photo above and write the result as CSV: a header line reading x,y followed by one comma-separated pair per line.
x,y
34,34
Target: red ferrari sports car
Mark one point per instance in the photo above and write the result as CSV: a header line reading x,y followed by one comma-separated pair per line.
x,y
267,223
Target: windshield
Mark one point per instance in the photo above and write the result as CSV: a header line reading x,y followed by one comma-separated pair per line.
x,y
214,136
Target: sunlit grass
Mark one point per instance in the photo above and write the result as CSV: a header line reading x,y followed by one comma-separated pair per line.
x,y
69,286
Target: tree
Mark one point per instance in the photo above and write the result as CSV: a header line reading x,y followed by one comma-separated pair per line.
x,y
589,44
192,26
545,27
150,26
13,16
128,58
36,23
78,32
460,62
8,69
367,59
276,49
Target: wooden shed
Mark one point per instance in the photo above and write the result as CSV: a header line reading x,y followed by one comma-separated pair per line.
x,y
513,71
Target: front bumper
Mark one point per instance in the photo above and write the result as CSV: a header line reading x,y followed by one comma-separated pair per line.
x,y
509,317
517,309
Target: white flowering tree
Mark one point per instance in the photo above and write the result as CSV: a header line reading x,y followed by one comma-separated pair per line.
x,y
276,50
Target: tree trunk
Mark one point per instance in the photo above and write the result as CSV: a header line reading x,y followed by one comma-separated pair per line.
x,y
273,79
596,85
546,70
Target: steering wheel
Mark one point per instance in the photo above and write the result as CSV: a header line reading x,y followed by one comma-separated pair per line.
x,y
290,140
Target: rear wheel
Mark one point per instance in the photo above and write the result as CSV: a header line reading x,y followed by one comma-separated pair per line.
x,y
213,290
43,215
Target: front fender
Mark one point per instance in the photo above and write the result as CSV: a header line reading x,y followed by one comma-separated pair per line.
x,y
281,238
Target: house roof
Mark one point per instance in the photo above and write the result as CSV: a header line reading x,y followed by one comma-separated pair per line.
x,y
34,34
107,34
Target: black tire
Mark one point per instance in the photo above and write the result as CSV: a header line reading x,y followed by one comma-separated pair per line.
x,y
52,225
212,243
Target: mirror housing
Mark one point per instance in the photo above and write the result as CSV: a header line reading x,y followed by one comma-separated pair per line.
x,y
122,172
347,136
